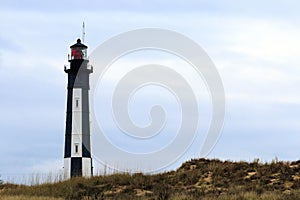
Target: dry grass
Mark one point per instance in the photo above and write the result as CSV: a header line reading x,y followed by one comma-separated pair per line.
x,y
196,179
22,197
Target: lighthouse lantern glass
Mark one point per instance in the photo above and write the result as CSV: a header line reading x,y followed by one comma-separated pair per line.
x,y
78,53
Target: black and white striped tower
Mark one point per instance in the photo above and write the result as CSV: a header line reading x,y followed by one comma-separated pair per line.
x,y
77,155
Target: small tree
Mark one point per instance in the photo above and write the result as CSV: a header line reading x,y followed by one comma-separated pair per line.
x,y
1,181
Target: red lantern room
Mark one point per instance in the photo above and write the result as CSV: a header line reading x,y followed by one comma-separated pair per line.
x,y
78,51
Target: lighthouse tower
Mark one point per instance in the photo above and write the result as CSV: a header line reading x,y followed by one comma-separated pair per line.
x,y
77,155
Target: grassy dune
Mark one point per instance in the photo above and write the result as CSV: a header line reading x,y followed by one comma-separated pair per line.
x,y
196,179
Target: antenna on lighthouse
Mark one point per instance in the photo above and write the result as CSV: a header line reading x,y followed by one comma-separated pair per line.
x,y
83,32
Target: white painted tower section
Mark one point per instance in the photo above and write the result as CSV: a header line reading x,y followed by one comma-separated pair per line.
x,y
86,167
67,168
76,149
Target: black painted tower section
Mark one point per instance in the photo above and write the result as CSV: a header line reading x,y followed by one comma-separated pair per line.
x,y
78,77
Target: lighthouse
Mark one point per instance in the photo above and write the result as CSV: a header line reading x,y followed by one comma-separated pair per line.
x,y
77,152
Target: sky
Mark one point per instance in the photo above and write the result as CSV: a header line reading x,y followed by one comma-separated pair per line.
x,y
254,45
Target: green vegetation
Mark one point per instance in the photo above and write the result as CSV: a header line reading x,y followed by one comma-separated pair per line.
x,y
196,179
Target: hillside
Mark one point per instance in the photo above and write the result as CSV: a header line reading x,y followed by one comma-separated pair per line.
x,y
196,179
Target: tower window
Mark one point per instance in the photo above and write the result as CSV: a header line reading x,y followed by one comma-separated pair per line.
x,y
77,103
76,148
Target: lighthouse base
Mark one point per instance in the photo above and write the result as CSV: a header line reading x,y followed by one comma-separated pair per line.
x,y
77,166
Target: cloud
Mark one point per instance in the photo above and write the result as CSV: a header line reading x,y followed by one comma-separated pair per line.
x,y
47,166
